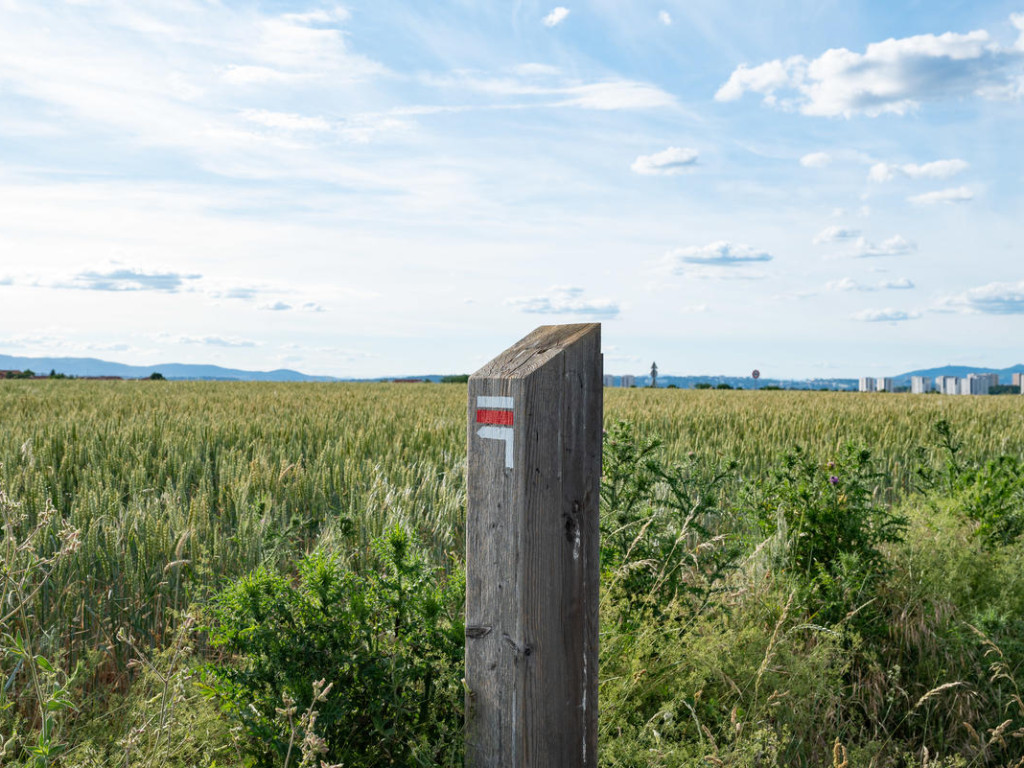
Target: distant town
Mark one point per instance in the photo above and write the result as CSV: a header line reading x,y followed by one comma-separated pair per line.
x,y
972,384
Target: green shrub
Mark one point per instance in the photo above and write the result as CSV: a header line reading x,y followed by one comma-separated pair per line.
x,y
833,526
664,533
388,642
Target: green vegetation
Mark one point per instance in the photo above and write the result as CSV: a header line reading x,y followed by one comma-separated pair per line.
x,y
233,574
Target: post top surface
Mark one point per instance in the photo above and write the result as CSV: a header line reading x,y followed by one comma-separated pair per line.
x,y
534,350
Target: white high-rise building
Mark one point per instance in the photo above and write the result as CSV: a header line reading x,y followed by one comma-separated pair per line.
x,y
977,384
609,380
867,384
950,385
883,384
919,385
627,380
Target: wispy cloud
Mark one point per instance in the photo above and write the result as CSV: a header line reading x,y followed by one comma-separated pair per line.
x,y
665,18
668,162
548,90
216,341
565,301
277,306
897,245
556,17
836,234
816,160
129,279
893,76
887,315
937,169
245,293
849,284
285,120
952,195
718,254
991,299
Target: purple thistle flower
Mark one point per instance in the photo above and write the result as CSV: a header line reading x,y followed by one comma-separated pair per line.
x,y
834,480
831,465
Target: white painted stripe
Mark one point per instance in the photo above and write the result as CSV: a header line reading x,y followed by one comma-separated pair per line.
x,y
483,401
499,433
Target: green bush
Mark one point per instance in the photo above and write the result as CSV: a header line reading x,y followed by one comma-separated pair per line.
x,y
833,526
386,643
663,528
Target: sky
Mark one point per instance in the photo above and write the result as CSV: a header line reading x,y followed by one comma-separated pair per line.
x,y
812,188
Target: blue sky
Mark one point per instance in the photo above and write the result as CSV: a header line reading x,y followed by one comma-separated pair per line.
x,y
814,189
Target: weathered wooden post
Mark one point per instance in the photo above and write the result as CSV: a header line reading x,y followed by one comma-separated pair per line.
x,y
532,550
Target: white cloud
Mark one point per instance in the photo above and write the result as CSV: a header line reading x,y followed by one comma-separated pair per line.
x,y
245,293
836,234
321,16
718,254
844,284
312,306
277,306
893,76
952,195
897,245
565,301
816,160
120,278
720,260
665,18
938,169
216,341
669,162
617,94
285,120
887,315
235,74
556,17
899,284
849,284
601,95
991,299
766,78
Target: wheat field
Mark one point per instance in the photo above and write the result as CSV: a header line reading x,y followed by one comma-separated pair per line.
x,y
178,486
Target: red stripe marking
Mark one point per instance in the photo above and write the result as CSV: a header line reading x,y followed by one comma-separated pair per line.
x,y
490,416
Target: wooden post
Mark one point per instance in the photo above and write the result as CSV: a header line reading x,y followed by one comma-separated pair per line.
x,y
532,551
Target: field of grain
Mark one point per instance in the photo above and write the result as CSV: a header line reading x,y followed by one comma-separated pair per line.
x,y
175,489
220,477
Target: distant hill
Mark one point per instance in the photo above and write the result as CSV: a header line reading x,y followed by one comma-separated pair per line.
x,y
90,366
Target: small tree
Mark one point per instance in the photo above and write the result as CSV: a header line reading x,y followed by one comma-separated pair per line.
x,y
156,376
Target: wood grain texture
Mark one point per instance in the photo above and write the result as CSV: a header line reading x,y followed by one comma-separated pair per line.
x,y
532,569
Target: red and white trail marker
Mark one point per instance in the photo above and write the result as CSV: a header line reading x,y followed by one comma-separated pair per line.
x,y
495,413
